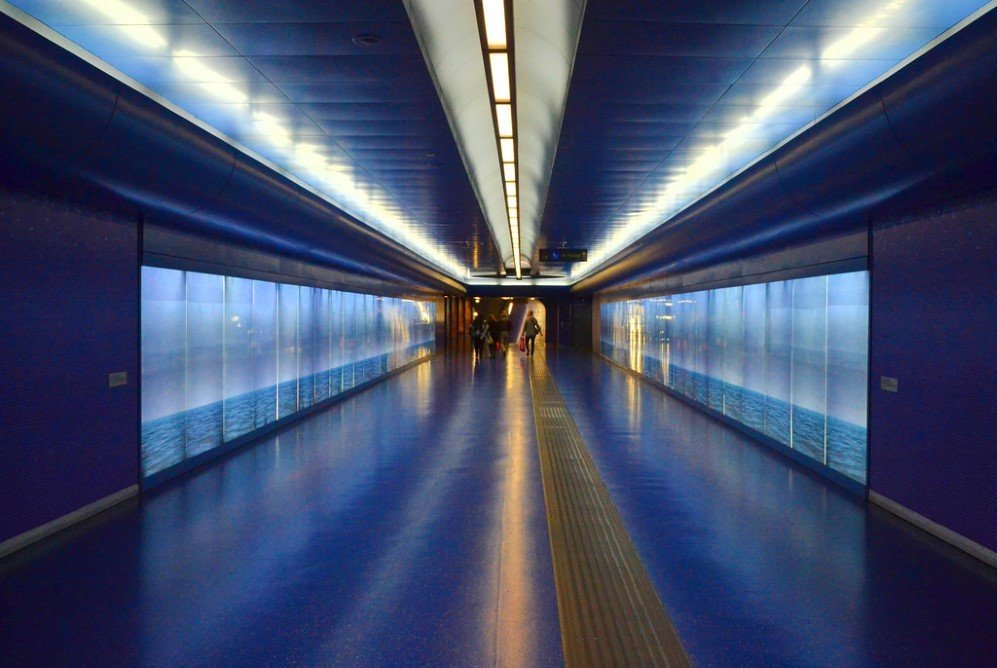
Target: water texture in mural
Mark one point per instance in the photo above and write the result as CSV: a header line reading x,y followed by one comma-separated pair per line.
x,y
224,356
787,359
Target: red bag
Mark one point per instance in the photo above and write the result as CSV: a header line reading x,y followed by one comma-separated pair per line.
x,y
522,344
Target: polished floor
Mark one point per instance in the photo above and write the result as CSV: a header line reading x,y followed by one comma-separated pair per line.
x,y
761,562
406,526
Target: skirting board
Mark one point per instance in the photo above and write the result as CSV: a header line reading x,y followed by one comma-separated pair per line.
x,y
21,541
984,554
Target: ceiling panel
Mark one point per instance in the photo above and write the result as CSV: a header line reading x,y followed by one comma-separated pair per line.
x,y
194,38
363,111
95,12
318,39
940,14
382,69
678,39
298,11
763,12
811,42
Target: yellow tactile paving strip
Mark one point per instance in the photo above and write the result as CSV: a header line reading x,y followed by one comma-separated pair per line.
x,y
610,613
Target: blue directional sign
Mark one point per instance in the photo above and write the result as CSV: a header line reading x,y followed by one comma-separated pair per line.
x,y
551,255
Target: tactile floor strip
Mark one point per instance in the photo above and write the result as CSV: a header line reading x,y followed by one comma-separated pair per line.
x,y
610,613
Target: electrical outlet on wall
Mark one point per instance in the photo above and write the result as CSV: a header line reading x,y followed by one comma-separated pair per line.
x,y
888,384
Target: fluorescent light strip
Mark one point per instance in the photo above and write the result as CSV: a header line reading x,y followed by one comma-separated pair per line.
x,y
493,15
503,112
494,11
501,82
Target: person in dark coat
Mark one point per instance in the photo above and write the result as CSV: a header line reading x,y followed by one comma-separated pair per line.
x,y
479,332
493,335
531,330
504,327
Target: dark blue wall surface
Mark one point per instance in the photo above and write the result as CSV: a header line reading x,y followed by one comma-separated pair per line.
x,y
933,324
69,288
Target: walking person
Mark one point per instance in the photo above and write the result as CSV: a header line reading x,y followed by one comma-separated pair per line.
x,y
492,339
504,327
531,329
479,332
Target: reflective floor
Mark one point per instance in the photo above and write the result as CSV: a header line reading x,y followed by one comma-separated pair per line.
x,y
758,560
406,526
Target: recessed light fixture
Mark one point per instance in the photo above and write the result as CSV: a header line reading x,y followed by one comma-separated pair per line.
x,y
366,39
495,29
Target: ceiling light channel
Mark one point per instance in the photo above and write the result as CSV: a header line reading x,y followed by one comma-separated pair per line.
x,y
497,48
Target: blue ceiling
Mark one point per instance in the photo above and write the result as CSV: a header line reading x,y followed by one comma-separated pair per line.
x,y
370,110
656,84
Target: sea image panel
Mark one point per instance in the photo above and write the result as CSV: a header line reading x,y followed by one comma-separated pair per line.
x,y
336,344
287,349
164,368
264,346
306,347
681,328
222,354
809,365
847,380
351,333
238,412
786,358
716,324
753,378
778,360
323,343
701,346
205,356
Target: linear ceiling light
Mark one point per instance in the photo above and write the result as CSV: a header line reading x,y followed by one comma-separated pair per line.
x,y
503,112
497,48
493,12
508,149
501,83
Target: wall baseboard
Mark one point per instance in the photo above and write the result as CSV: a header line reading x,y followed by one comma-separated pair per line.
x,y
970,547
27,538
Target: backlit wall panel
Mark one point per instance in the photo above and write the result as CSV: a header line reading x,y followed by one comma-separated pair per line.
x,y
224,356
787,359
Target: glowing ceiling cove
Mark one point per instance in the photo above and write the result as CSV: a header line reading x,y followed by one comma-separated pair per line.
x,y
852,54
195,68
545,35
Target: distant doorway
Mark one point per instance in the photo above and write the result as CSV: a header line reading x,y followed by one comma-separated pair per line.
x,y
515,309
